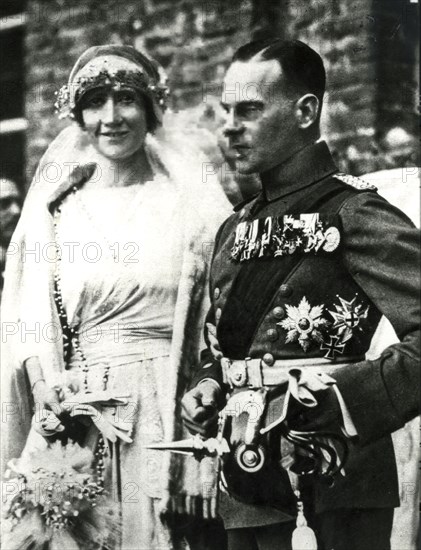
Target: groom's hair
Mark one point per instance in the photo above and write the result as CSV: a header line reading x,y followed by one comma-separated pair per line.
x,y
302,66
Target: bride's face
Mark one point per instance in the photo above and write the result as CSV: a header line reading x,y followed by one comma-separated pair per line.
x,y
115,121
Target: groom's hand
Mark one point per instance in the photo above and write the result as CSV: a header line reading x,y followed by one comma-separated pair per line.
x,y
200,408
326,415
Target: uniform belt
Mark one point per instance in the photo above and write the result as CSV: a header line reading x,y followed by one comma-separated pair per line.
x,y
255,373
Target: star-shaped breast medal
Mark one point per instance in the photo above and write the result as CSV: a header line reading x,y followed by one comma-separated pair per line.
x,y
304,324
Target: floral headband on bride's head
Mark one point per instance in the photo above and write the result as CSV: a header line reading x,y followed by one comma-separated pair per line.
x,y
113,67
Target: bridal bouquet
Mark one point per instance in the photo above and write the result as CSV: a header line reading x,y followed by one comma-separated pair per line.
x,y
54,502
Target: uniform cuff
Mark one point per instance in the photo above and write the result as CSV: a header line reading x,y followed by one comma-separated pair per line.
x,y
348,428
212,381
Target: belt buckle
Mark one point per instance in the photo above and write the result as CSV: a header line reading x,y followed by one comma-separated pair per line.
x,y
235,373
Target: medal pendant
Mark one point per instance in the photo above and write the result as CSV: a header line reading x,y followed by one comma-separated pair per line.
x,y
332,239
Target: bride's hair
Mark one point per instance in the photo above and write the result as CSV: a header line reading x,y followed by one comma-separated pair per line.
x,y
112,67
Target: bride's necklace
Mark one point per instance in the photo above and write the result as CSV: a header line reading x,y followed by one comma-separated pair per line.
x,y
71,340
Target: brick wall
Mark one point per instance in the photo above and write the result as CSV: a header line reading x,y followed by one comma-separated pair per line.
x,y
57,33
195,39
370,50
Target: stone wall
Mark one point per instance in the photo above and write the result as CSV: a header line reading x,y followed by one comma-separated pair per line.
x,y
370,57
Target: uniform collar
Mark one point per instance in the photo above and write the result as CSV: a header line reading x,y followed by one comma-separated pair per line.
x,y
307,166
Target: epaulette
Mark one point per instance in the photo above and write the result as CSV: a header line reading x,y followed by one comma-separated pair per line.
x,y
240,205
356,183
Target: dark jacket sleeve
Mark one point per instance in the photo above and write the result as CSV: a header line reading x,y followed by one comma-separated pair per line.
x,y
209,366
381,252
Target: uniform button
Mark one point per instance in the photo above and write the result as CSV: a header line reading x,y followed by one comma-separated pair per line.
x,y
285,290
279,312
218,313
216,293
272,334
268,359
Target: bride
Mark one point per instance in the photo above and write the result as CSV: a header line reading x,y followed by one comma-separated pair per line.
x,y
131,224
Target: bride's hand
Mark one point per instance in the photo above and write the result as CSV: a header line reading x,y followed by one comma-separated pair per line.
x,y
47,409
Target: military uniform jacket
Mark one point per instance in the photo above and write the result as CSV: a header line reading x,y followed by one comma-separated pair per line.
x,y
306,269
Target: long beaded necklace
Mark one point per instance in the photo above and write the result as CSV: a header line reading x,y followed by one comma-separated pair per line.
x,y
71,338
70,333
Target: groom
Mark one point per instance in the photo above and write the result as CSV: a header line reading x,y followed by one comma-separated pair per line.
x,y
301,275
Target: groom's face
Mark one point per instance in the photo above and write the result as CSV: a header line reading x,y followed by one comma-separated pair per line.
x,y
262,125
